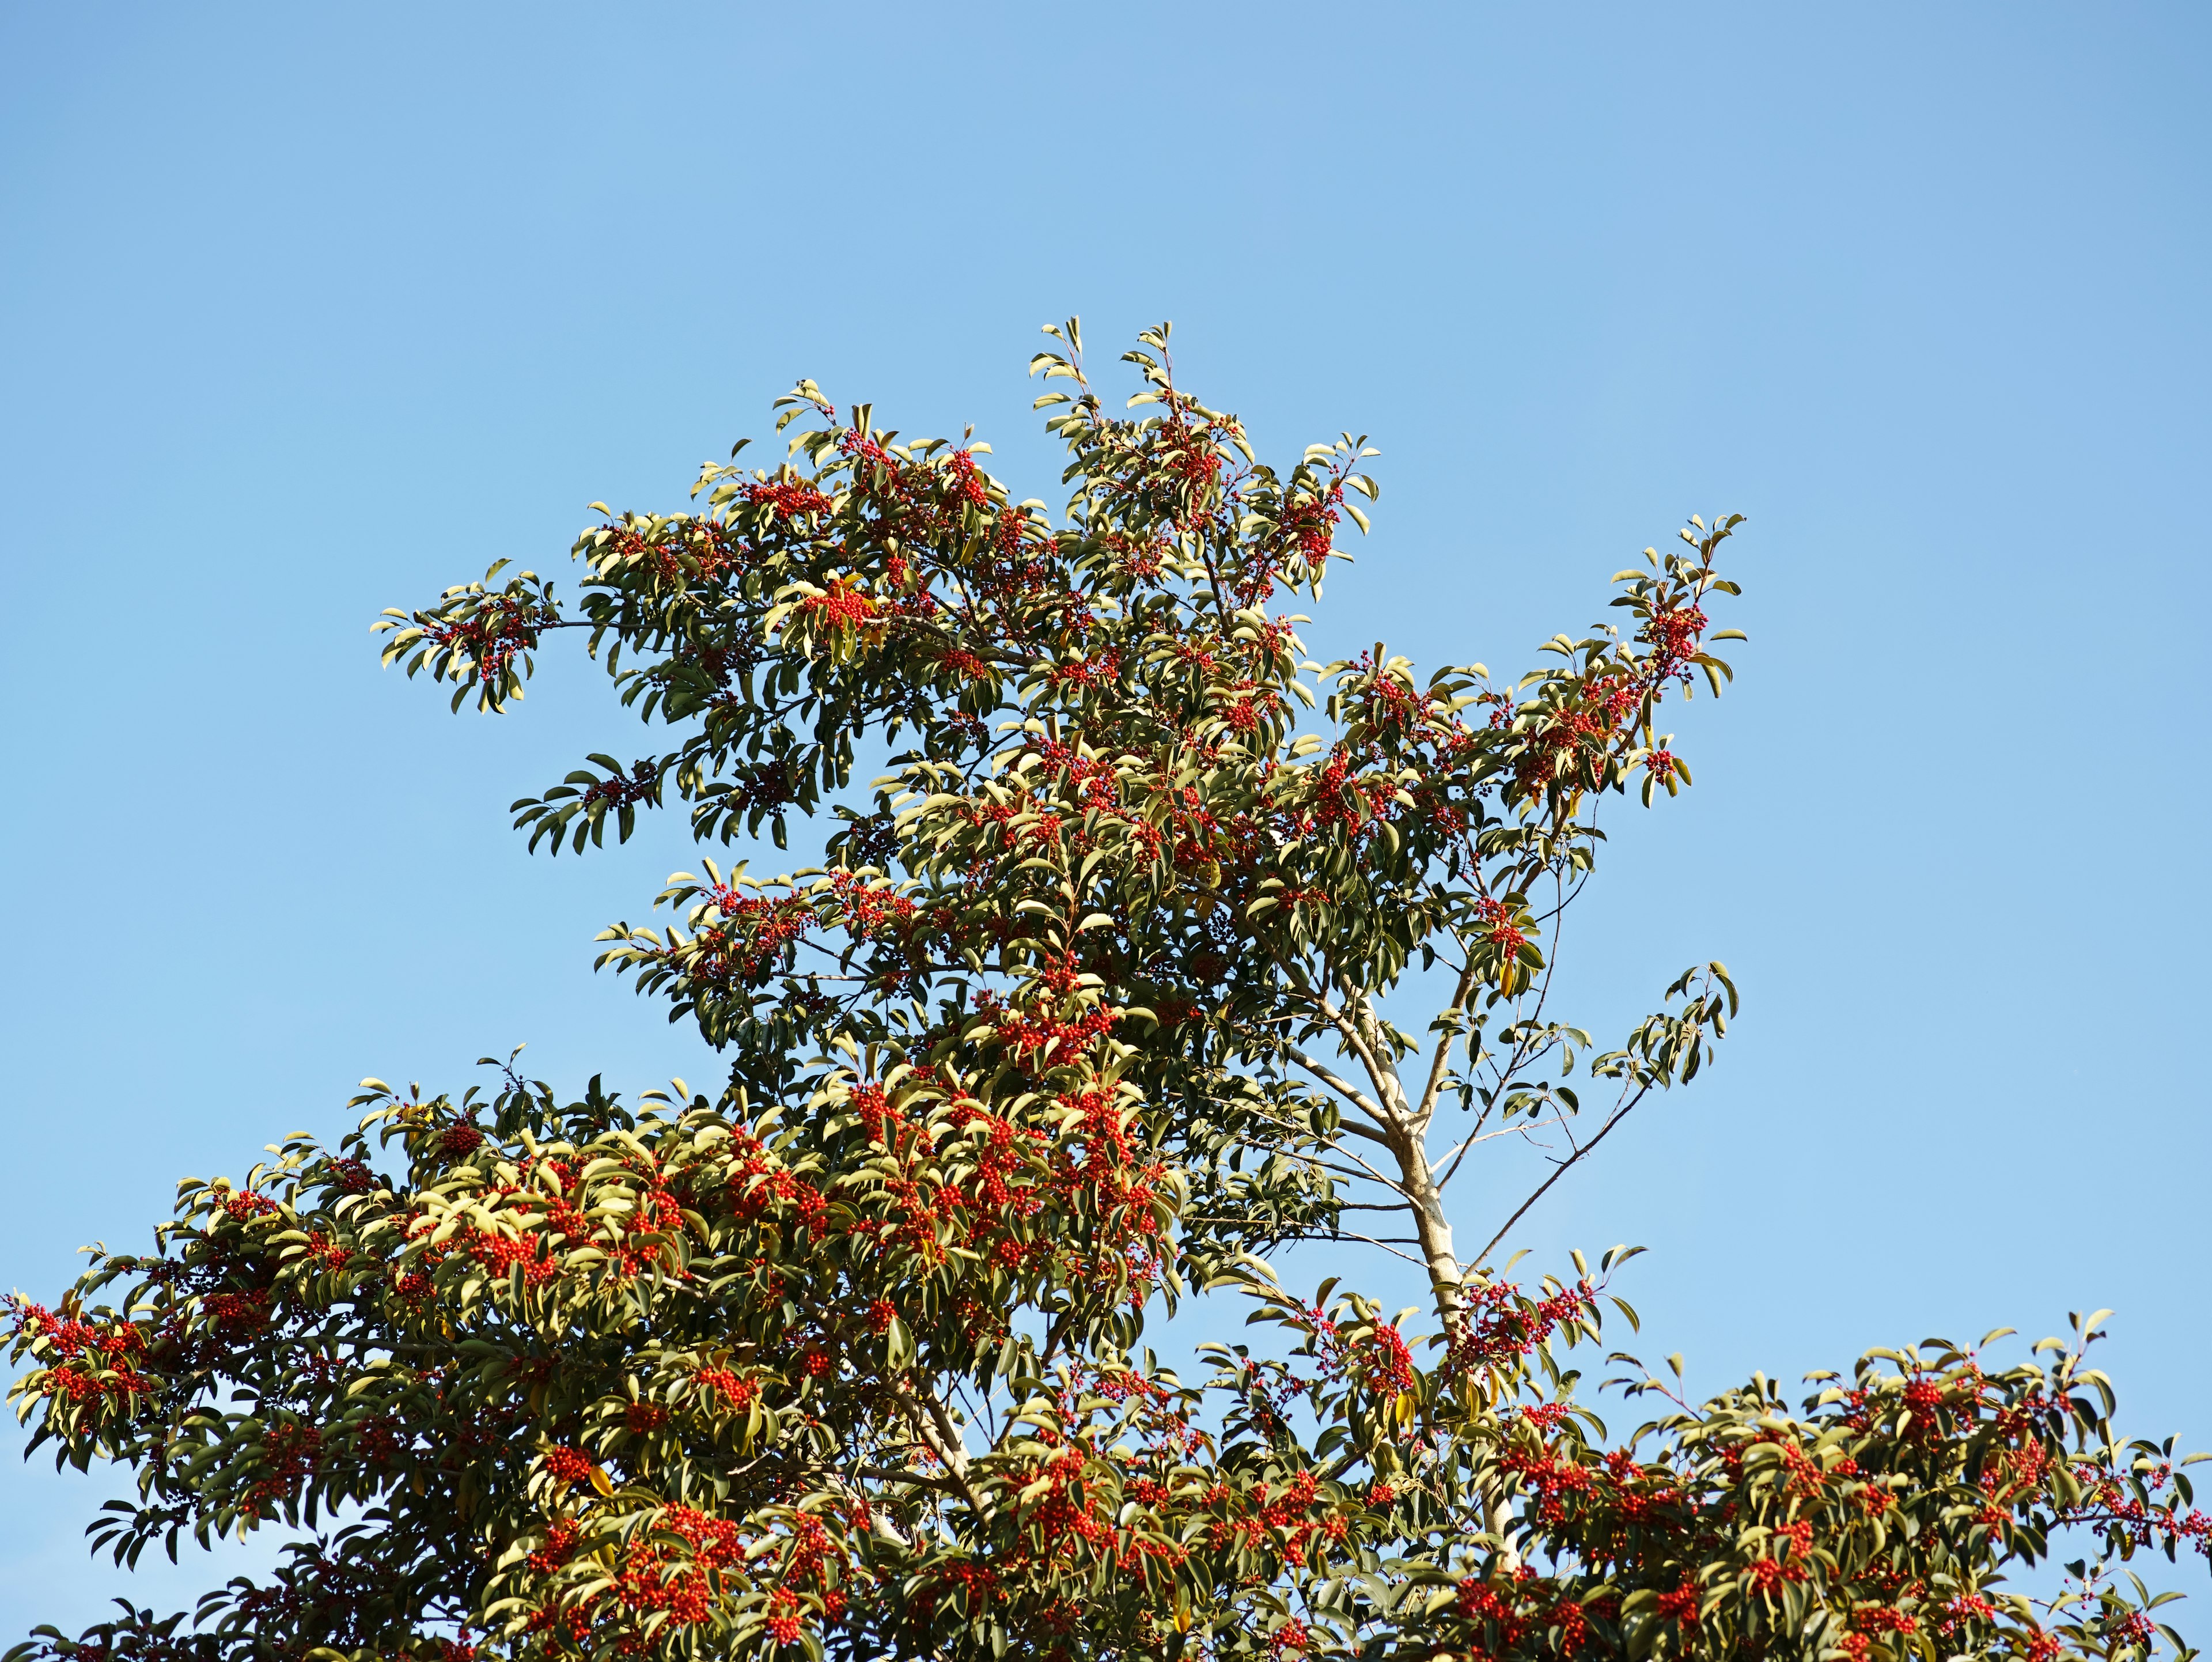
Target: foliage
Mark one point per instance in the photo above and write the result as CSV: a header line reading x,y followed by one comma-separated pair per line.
x,y
1082,1016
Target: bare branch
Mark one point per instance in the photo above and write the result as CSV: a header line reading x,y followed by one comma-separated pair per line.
x,y
1367,1241
1458,1152
1384,1079
1366,1171
1563,1168
1441,1066
1343,1087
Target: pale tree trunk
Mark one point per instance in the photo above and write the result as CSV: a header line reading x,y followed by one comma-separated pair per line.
x,y
1425,1202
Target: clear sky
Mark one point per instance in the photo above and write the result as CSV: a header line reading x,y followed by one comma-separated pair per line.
x,y
309,311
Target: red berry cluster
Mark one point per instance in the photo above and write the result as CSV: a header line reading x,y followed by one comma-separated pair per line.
x,y
1496,918
487,638
1673,633
569,1465
642,784
843,608
787,497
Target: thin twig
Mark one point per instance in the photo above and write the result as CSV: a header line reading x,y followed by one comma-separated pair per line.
x,y
1564,1166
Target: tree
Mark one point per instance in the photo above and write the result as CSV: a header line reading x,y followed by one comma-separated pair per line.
x,y
1082,1016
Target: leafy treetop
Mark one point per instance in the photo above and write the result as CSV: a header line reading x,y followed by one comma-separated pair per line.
x,y
1083,1014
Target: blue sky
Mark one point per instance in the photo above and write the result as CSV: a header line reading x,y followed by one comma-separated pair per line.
x,y
304,313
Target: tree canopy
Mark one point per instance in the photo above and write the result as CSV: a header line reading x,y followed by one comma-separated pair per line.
x,y
1088,1012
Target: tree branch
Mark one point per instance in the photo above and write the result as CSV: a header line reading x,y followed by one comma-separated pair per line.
x,y
1344,1089
1385,1080
1441,1066
1564,1166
